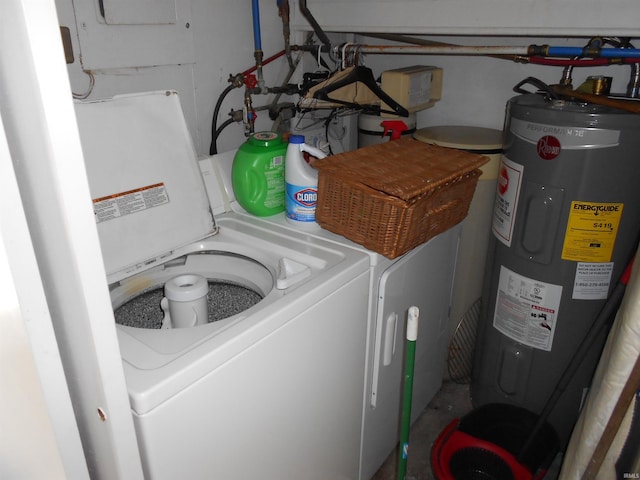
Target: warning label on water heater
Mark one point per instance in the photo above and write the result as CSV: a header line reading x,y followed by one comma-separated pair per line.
x,y
591,231
506,200
592,281
526,309
124,203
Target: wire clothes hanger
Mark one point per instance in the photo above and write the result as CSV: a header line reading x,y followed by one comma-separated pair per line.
x,y
347,92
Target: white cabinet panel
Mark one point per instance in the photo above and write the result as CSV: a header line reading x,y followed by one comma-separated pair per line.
x,y
486,17
139,12
422,278
140,33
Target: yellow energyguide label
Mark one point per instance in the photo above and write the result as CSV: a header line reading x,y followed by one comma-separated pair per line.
x,y
591,231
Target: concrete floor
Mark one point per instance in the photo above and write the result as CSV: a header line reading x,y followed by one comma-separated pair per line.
x,y
451,402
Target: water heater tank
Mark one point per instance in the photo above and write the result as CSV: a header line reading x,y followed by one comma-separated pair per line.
x,y
565,223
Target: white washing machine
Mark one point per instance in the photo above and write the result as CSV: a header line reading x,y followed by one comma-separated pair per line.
x,y
270,392
422,277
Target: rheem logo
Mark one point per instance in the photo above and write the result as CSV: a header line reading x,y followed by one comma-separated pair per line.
x,y
548,147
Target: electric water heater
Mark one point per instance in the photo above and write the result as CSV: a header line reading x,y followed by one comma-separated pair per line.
x,y
565,223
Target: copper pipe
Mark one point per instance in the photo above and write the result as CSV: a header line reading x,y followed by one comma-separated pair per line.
x,y
628,105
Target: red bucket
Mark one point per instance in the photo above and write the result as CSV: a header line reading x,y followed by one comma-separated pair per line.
x,y
486,444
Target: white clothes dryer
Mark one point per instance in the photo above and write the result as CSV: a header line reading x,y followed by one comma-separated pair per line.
x,y
422,277
270,389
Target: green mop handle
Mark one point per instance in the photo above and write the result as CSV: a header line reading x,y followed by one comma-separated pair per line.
x,y
412,336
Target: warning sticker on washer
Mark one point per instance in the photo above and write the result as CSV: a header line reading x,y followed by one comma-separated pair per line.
x,y
592,281
506,200
591,231
526,309
119,204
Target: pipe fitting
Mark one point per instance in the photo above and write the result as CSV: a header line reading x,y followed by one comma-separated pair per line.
x,y
566,80
249,114
236,80
258,55
236,115
592,52
538,50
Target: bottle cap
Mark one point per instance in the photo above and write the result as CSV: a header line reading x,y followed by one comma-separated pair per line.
x,y
265,139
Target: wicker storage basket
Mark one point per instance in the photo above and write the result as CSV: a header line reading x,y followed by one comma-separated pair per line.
x,y
393,196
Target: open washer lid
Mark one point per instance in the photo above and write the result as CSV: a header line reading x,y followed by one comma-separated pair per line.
x,y
144,178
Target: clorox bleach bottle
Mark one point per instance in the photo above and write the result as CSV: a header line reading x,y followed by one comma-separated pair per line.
x,y
301,181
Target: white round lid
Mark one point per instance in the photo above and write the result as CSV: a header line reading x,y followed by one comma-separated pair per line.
x,y
475,139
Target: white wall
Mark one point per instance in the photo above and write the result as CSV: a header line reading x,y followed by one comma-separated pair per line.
x,y
474,92
222,36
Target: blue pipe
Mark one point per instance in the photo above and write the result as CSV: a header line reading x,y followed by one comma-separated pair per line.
x,y
257,41
587,52
619,53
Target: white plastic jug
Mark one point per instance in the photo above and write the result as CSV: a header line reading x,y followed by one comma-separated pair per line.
x,y
301,184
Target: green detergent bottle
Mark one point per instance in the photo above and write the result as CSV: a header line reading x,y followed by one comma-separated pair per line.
x,y
257,174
